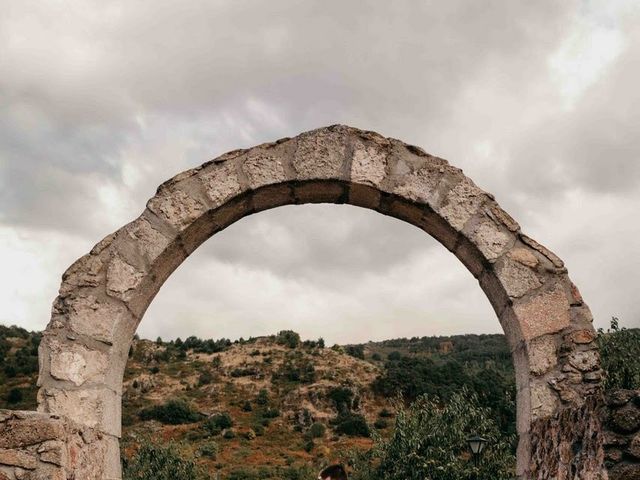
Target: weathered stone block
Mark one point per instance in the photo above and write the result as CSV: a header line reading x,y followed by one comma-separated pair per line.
x,y
517,279
369,164
76,363
542,354
524,256
18,458
321,154
122,279
98,319
626,419
264,168
490,240
151,243
221,182
98,408
176,207
542,314
584,361
461,203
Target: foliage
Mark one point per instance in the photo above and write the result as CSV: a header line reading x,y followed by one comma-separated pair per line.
x,y
172,412
351,424
218,422
317,430
14,396
620,352
429,442
493,382
356,351
288,338
342,397
157,462
298,370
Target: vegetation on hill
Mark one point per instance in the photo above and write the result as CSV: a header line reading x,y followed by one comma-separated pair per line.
x,y
280,407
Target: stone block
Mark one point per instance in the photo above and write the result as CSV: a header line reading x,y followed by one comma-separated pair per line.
x,y
543,354
544,401
321,154
264,168
369,164
76,363
176,207
584,361
517,279
490,240
98,408
151,243
17,458
98,319
221,183
544,313
524,256
461,203
122,279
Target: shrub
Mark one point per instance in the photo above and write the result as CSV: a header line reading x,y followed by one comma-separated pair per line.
x,y
263,397
247,406
156,462
317,430
342,398
380,424
205,378
385,413
394,356
288,337
173,412
351,424
620,352
376,357
430,441
14,396
209,449
356,351
218,422
271,413
229,433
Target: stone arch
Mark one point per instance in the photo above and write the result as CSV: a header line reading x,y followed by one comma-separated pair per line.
x,y
105,294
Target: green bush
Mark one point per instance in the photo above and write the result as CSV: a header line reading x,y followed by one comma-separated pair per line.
x,y
289,338
430,442
380,424
620,353
156,462
228,434
218,422
351,424
209,450
173,412
14,396
263,397
317,430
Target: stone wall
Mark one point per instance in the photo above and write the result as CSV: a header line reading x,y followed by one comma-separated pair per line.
x,y
41,446
622,435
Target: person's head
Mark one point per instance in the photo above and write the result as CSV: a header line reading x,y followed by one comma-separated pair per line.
x,y
333,472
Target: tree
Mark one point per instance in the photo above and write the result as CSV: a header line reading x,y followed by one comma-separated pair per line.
x,y
430,442
620,352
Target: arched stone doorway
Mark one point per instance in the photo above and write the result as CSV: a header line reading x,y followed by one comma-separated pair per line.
x,y
105,294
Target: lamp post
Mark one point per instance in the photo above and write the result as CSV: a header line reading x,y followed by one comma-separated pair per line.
x,y
476,445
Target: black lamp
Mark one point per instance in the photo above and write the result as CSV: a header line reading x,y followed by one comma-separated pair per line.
x,y
476,445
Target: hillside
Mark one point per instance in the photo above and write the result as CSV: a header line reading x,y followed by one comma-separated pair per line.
x,y
277,403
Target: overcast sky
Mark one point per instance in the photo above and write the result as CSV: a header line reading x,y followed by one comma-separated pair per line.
x,y
100,102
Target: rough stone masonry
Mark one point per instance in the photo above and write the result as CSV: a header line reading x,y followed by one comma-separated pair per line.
x,y
105,294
